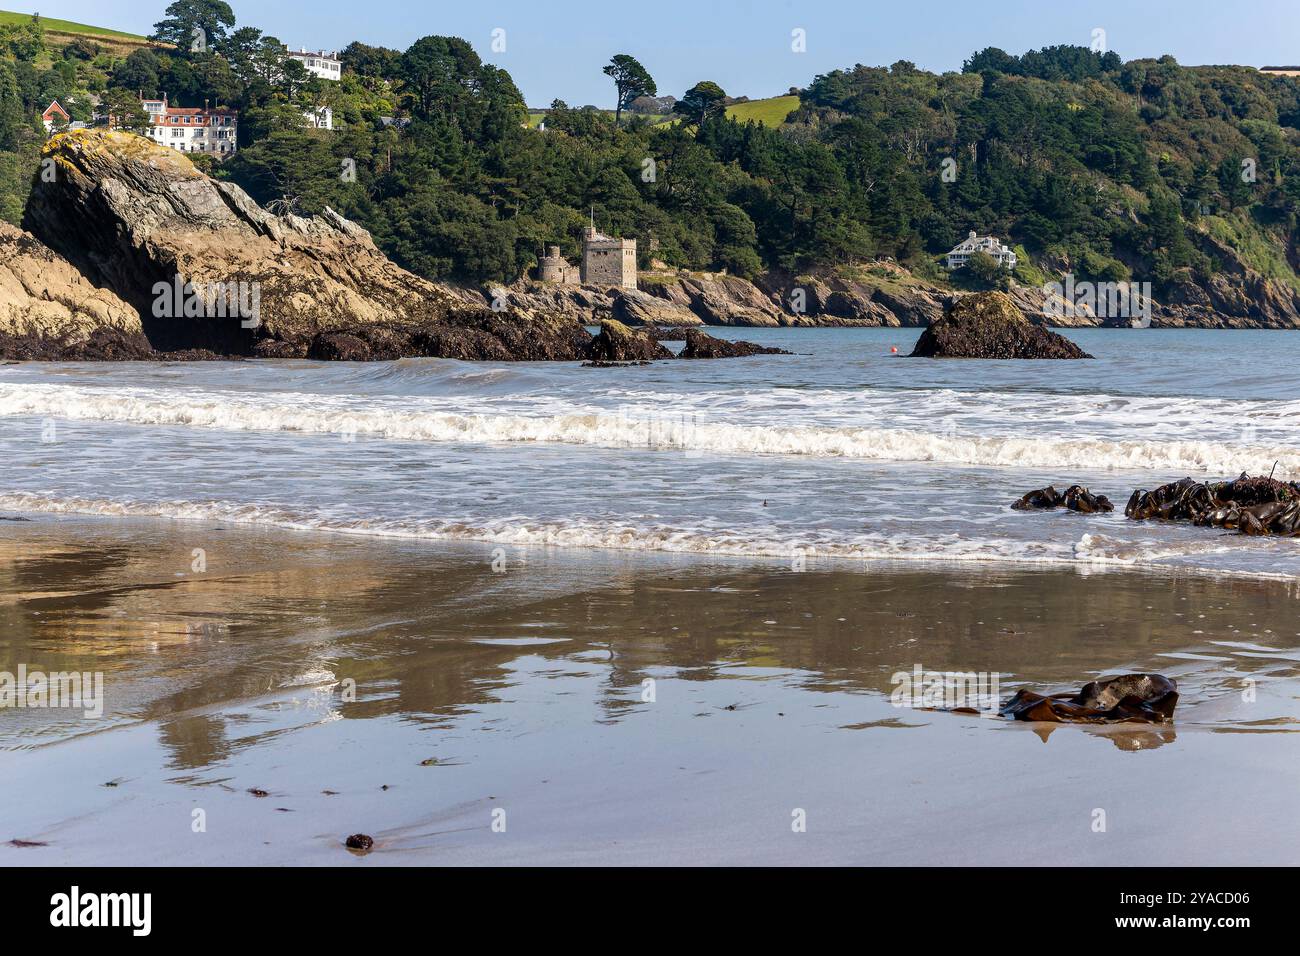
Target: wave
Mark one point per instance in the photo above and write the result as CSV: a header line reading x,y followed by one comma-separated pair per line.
x,y
798,551
638,427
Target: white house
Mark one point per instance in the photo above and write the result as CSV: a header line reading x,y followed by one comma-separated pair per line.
x,y
327,66
191,130
320,118
989,245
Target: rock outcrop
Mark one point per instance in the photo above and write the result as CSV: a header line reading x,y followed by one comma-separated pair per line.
x,y
49,310
1075,498
617,343
207,268
701,346
988,325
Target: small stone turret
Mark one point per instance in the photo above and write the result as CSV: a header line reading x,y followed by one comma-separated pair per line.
x,y
553,267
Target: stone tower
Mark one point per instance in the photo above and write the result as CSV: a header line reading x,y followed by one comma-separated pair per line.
x,y
553,267
607,261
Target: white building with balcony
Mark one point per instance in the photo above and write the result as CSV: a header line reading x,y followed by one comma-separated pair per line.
x,y
326,65
989,245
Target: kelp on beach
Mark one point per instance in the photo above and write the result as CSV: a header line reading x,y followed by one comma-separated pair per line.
x,y
1253,506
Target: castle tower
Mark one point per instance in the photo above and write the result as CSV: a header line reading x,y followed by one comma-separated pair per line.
x,y
553,267
607,261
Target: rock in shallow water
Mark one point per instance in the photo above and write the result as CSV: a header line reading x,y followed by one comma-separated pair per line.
x,y
615,342
701,346
359,841
988,325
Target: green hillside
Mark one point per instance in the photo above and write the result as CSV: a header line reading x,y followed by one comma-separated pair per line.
x,y
770,112
67,26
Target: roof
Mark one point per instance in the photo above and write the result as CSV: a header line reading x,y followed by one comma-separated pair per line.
x,y
974,243
54,105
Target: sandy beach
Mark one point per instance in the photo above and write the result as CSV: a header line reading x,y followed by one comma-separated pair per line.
x,y
465,704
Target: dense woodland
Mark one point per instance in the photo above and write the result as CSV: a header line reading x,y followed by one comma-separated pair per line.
x,y
1111,169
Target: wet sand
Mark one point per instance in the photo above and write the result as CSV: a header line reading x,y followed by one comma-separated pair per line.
x,y
514,681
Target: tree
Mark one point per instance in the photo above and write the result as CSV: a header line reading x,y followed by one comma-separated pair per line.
x,y
372,63
984,268
191,22
124,110
241,51
631,80
702,101
441,72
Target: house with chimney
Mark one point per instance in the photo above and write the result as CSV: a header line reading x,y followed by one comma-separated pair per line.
x,y
321,63
989,245
211,129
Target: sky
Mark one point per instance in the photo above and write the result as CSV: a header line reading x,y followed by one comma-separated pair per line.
x,y
556,48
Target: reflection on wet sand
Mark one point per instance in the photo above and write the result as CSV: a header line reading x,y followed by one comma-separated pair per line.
x,y
282,633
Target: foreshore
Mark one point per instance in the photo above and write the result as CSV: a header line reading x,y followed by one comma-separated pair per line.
x,y
463,703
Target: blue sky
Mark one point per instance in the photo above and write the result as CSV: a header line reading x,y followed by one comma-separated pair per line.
x,y
556,48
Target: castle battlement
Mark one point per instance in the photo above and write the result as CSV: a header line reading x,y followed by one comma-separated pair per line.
x,y
606,261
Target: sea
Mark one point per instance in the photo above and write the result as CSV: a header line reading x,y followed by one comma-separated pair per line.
x,y
845,451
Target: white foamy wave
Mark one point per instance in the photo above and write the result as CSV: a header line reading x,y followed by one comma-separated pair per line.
x,y
635,428
803,549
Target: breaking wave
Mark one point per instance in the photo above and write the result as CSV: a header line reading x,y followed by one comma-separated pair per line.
x,y
639,428
806,548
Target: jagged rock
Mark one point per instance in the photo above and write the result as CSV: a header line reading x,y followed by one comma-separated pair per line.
x,y
617,343
338,347
1127,698
133,215
701,346
633,307
275,349
499,337
48,310
988,325
728,300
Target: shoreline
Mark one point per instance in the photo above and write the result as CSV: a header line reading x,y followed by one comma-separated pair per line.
x,y
523,690
779,556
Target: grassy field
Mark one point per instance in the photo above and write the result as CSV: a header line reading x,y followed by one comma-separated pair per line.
x,y
770,112
67,26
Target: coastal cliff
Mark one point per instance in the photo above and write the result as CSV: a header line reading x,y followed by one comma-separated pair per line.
x,y
48,309
139,219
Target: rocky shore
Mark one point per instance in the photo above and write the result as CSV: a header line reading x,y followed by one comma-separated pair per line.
x,y
130,252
